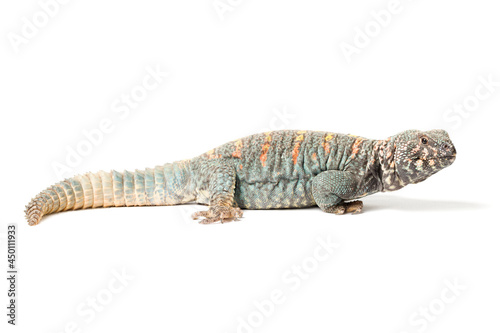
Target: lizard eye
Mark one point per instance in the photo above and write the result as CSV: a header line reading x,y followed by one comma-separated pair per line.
x,y
424,141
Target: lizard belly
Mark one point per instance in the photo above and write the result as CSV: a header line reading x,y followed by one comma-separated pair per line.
x,y
269,195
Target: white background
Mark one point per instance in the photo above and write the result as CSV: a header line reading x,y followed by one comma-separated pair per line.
x,y
229,76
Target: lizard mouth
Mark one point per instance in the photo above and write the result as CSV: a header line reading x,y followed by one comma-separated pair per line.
x,y
451,158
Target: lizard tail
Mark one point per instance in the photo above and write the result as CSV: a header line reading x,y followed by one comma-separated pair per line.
x,y
162,185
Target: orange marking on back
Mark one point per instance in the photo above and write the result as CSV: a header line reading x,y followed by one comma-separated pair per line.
x,y
238,145
326,147
265,149
326,144
211,154
296,148
314,156
356,145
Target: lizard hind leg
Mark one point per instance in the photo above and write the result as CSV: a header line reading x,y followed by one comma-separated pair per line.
x,y
220,178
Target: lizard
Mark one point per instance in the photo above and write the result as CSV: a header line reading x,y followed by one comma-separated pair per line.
x,y
272,170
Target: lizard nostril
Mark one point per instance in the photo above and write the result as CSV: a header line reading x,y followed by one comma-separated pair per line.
x,y
448,149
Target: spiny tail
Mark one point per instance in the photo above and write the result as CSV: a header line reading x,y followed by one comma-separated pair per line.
x,y
163,185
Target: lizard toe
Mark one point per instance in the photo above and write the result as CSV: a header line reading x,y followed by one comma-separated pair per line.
x,y
220,214
354,207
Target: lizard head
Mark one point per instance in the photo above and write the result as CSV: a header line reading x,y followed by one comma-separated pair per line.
x,y
418,155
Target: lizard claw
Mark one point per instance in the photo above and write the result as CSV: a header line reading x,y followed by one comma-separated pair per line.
x,y
353,207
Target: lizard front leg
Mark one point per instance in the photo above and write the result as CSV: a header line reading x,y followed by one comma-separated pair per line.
x,y
331,188
220,178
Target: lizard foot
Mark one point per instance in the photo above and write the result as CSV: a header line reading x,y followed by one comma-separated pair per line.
x,y
220,214
353,207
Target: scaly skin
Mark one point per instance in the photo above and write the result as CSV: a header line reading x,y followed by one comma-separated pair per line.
x,y
279,169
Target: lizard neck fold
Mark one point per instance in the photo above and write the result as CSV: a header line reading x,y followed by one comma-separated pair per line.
x,y
384,165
